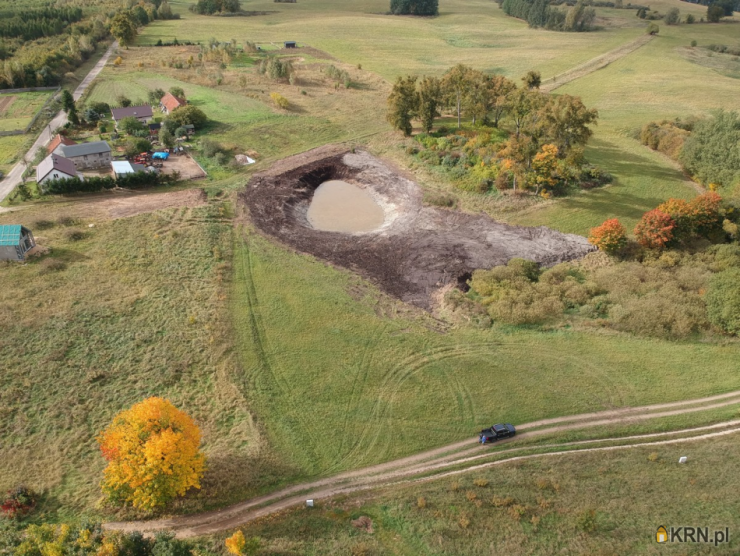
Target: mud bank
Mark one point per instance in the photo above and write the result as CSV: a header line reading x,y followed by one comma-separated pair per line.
x,y
417,249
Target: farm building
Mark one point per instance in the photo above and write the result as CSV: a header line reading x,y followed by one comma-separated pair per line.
x,y
290,44
122,168
154,129
59,140
142,113
55,167
170,102
86,155
15,242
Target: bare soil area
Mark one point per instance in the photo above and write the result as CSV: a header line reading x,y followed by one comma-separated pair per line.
x,y
417,249
185,165
5,103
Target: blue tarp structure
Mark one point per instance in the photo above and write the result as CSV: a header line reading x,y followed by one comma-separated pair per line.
x,y
161,156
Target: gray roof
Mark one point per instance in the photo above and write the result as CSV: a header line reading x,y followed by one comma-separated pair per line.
x,y
144,111
81,149
55,162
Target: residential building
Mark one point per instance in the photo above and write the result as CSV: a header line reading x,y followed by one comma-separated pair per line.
x,y
86,155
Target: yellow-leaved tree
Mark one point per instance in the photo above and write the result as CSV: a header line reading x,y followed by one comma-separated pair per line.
x,y
153,454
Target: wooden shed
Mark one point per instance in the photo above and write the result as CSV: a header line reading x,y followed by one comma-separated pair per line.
x,y
291,44
15,242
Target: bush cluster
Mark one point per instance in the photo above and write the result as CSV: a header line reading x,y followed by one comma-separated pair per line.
x,y
415,7
95,183
666,136
275,68
339,75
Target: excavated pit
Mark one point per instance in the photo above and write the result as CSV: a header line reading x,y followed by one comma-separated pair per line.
x,y
416,249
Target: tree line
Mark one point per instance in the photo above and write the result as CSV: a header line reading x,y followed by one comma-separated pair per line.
x,y
95,183
210,7
34,24
540,14
415,7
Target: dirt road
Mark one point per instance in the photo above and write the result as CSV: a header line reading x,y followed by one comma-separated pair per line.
x,y
549,85
14,176
466,453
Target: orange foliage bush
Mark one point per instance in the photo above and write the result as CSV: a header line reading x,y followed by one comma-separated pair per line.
x,y
235,543
610,237
655,229
153,454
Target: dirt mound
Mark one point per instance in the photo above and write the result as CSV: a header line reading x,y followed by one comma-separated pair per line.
x,y
417,249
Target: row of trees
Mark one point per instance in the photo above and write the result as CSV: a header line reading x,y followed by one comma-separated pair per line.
x,y
539,13
33,24
137,180
415,7
210,7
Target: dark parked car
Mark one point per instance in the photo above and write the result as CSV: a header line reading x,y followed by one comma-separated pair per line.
x,y
496,432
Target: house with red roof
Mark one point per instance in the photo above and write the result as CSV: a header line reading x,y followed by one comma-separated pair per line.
x,y
59,140
170,102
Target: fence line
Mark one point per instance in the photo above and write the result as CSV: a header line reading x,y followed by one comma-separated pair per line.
x,y
28,90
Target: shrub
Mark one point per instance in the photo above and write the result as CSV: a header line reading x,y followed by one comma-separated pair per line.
x,y
188,115
50,265
210,148
655,229
19,502
672,17
75,235
723,300
689,20
652,29
439,199
279,100
43,224
610,237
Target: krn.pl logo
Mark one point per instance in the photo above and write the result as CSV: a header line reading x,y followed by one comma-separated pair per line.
x,y
661,535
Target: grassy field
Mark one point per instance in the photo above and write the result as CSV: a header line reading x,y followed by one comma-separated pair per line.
x,y
591,503
18,109
328,359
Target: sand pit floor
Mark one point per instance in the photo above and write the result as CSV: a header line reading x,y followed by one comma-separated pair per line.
x,y
417,250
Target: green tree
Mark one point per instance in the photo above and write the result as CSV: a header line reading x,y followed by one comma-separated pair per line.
x,y
532,80
123,28
672,17
457,82
130,125
402,104
178,92
123,101
566,120
430,97
155,96
652,28
188,114
166,138
140,16
68,102
136,146
710,153
499,88
723,300
522,106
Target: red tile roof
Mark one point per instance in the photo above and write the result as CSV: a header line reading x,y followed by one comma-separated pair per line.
x,y
170,102
59,140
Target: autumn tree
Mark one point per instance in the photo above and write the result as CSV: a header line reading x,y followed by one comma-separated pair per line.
x,y
655,229
610,237
430,97
456,83
153,454
123,28
523,106
545,168
235,543
403,104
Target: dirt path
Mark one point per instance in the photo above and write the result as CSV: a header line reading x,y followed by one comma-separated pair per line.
x,y
5,103
460,453
552,83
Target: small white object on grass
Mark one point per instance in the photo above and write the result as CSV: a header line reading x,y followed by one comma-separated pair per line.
x,y
682,459
91,225
309,503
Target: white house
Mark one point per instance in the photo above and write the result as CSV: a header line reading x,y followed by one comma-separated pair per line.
x,y
55,167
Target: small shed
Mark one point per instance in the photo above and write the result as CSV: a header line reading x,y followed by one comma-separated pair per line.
x,y
15,242
290,44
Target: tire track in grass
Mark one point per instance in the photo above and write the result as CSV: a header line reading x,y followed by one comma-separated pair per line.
x,y
392,383
264,365
359,384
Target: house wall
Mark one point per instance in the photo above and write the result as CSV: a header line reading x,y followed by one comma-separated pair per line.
x,y
55,175
91,160
9,253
